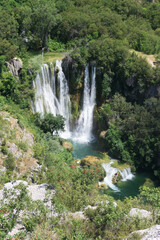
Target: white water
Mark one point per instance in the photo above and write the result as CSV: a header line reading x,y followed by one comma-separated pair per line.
x,y
83,132
50,98
110,172
126,174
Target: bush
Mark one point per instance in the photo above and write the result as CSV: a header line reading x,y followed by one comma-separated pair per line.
x,y
55,45
23,146
10,162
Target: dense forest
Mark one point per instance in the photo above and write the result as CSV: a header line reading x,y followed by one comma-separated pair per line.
x,y
120,37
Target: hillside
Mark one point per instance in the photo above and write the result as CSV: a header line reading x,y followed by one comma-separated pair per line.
x,y
87,71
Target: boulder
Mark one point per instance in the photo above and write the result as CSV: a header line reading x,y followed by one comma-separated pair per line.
x,y
152,233
117,177
36,192
17,229
141,213
15,65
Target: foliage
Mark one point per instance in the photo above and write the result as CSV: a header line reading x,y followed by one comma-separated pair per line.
x,y
130,126
23,146
55,45
49,123
10,162
152,196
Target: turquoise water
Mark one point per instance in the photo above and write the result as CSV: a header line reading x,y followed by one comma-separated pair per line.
x,y
82,150
127,188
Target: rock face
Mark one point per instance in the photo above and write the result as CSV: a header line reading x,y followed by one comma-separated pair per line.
x,y
152,233
141,213
153,91
19,141
36,192
15,65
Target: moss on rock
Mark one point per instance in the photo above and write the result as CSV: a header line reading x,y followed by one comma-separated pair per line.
x,y
90,160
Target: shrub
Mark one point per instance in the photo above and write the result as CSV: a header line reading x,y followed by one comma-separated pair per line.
x,y
10,162
23,146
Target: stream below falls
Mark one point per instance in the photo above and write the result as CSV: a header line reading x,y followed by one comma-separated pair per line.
x,y
127,188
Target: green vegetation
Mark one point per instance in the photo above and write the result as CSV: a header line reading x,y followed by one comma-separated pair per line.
x,y
120,37
119,165
131,135
50,124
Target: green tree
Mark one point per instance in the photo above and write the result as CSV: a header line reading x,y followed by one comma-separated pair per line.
x,y
44,18
49,123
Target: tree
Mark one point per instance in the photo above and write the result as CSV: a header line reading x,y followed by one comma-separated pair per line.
x,y
51,124
44,18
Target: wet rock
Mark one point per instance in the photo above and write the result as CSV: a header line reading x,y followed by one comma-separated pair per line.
x,y
117,177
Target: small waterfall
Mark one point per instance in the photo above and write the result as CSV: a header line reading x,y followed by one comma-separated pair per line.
x,y
126,174
110,172
84,128
50,98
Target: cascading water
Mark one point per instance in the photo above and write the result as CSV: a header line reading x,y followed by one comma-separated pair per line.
x,y
110,173
84,127
64,100
47,99
126,174
52,96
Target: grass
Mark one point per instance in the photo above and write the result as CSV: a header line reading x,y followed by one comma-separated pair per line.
x,y
53,56
36,58
119,165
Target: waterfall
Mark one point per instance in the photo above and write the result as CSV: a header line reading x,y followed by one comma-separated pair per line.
x,y
110,173
126,174
52,96
64,99
83,132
